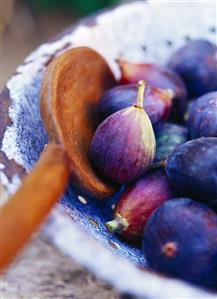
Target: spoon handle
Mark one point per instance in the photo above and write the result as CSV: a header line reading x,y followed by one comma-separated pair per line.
x,y
27,208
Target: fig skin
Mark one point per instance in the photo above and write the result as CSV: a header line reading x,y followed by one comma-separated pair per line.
x,y
202,121
157,76
137,203
180,239
168,138
192,169
123,146
196,64
157,102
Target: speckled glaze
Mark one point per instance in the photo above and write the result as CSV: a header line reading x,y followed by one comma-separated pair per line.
x,y
23,136
202,121
157,102
192,169
123,146
196,63
168,137
138,202
173,237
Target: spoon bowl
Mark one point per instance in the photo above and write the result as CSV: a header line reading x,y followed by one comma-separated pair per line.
x,y
72,86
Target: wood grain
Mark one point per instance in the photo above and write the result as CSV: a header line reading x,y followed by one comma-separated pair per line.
x,y
71,88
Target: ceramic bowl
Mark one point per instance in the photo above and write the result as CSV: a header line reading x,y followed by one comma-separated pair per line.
x,y
139,31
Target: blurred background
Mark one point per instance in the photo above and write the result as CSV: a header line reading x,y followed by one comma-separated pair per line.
x,y
25,24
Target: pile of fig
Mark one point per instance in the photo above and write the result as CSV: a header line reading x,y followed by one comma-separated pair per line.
x,y
166,157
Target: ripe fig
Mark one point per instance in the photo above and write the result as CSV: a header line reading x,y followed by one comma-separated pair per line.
x,y
123,146
168,137
196,63
192,169
157,102
137,203
180,239
160,77
202,120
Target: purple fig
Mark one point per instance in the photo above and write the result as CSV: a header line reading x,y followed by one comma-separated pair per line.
x,y
160,77
137,203
192,169
196,63
157,102
123,146
180,239
202,121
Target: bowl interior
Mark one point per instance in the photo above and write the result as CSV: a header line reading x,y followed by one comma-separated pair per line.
x,y
139,32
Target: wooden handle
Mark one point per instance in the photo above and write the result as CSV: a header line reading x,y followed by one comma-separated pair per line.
x,y
25,210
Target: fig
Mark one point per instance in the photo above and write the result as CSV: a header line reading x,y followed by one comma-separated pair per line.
x,y
196,63
160,77
157,102
192,169
180,239
202,121
168,138
123,146
137,203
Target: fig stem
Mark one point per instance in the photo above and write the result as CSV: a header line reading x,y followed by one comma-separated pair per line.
x,y
118,225
140,95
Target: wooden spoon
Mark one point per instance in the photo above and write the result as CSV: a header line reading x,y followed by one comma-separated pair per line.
x,y
24,211
72,86
71,89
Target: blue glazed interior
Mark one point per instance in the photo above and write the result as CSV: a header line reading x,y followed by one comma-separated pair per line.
x,y
30,139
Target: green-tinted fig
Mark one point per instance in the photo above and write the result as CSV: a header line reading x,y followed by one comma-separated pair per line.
x,y
168,138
